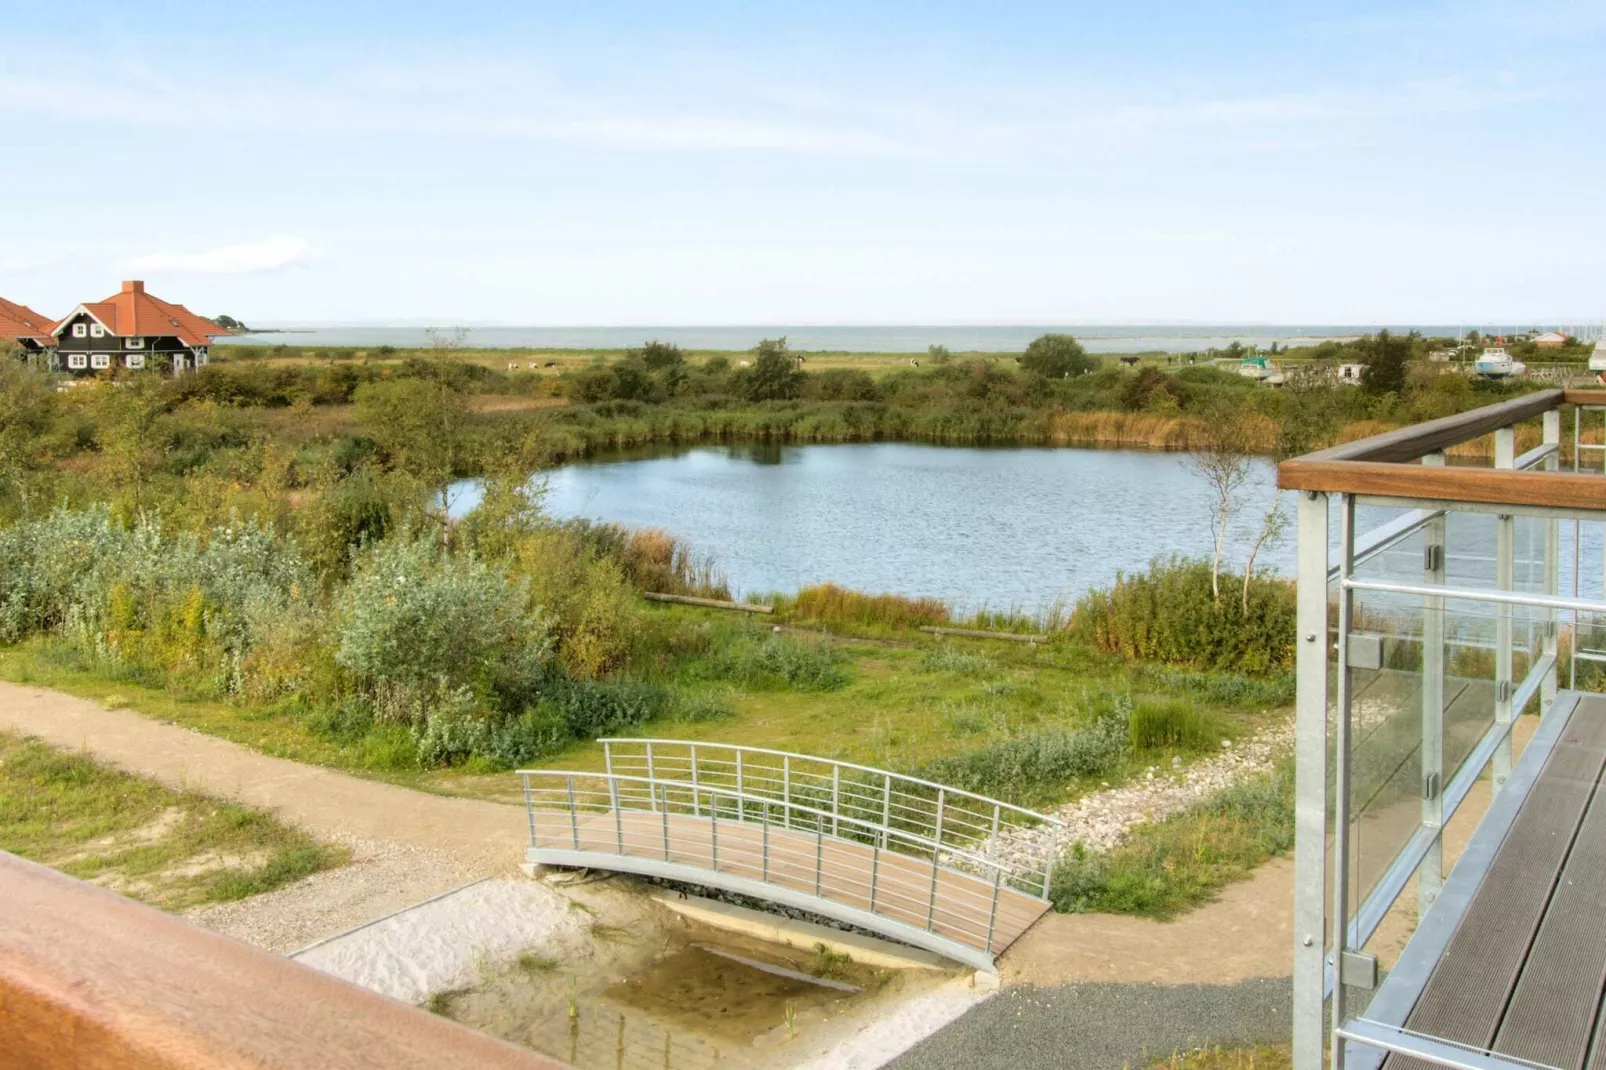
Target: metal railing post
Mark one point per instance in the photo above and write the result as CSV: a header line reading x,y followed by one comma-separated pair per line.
x,y
1341,789
936,855
574,816
739,792
819,852
1431,872
886,808
765,843
875,872
786,788
836,800
713,827
652,778
694,809
1550,643
992,913
1505,456
664,813
1310,750
618,817
529,808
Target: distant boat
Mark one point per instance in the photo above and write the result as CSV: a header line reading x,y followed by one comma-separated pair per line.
x,y
1496,363
1261,370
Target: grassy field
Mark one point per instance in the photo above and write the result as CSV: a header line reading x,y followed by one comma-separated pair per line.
x,y
171,849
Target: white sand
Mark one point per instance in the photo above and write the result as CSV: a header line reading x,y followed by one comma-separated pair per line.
x,y
445,944
895,1028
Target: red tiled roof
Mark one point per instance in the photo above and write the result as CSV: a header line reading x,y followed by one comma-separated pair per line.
x,y
20,321
134,313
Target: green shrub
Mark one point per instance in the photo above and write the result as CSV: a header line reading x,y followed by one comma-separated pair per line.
x,y
1225,689
947,658
1035,767
1172,724
414,621
776,662
1168,614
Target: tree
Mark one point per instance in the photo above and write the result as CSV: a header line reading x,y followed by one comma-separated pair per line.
x,y
1386,358
1057,356
420,424
27,402
658,356
1272,528
126,429
1218,452
774,375
229,323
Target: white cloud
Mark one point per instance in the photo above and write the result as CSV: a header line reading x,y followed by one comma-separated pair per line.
x,y
270,254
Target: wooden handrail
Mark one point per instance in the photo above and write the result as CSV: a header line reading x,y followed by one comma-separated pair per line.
x,y
1556,490
1417,441
92,981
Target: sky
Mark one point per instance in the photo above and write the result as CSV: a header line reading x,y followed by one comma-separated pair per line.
x,y
810,163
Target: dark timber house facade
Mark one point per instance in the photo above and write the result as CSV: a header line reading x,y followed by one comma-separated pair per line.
x,y
132,329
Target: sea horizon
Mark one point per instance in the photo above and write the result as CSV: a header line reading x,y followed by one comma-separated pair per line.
x,y
858,338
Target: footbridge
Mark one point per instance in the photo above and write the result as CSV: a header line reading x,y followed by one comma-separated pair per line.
x,y
929,865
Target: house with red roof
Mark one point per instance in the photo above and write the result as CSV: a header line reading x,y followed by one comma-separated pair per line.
x,y
21,324
132,329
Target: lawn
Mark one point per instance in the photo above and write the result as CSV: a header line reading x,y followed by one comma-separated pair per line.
x,y
171,849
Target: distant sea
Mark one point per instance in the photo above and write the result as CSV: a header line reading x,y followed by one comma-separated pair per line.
x,y
1098,339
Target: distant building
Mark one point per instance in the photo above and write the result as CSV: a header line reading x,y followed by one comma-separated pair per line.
x,y
1351,373
132,329
23,325
1550,340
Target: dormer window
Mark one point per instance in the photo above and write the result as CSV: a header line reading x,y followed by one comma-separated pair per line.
x,y
80,330
136,342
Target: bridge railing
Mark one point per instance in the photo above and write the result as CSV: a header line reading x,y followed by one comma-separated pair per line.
x,y
969,827
906,877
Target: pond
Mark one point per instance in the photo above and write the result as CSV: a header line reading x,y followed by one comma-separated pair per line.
x,y
1006,528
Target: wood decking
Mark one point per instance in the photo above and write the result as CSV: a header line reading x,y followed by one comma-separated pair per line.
x,y
912,898
1524,973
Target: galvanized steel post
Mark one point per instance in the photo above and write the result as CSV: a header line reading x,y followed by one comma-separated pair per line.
x,y
1310,807
1505,456
1430,874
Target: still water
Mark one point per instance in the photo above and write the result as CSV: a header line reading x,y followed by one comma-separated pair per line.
x,y
1011,528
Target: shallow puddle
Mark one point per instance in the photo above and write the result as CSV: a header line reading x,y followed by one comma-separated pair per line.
x,y
702,999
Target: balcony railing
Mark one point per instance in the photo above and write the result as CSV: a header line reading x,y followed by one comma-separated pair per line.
x,y
1436,603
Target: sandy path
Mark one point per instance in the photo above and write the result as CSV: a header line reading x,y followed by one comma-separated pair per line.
x,y
485,837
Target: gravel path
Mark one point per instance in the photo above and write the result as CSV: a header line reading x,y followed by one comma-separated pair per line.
x,y
1104,1026
1101,820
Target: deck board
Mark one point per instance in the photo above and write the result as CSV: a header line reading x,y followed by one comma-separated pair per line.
x,y
1523,973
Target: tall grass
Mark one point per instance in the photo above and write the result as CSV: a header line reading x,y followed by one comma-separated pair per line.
x,y
1035,768
1168,867
1169,615
828,603
1174,724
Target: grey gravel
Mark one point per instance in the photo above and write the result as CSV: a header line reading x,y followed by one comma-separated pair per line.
x,y
1104,1026
381,877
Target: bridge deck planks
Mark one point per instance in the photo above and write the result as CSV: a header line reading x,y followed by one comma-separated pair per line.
x,y
902,884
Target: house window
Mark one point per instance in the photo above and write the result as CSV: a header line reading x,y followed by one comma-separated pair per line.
x,y
77,361
80,330
100,360
135,360
136,343
97,331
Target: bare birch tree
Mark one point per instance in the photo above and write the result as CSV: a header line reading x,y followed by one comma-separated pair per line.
x,y
1218,453
1271,533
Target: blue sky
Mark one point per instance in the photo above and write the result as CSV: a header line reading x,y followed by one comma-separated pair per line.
x,y
608,163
